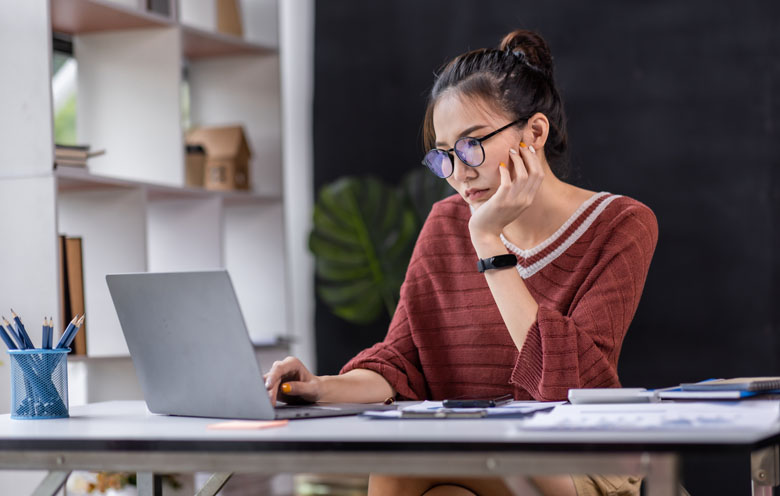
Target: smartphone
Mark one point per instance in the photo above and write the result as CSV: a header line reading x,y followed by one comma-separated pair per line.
x,y
477,403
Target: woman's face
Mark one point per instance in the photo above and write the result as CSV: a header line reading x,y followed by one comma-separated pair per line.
x,y
456,116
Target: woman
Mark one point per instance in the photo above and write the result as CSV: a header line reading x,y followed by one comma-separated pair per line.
x,y
520,283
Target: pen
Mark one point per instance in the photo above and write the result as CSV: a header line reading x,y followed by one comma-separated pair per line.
x,y
50,332
21,330
443,414
478,403
66,332
19,341
74,332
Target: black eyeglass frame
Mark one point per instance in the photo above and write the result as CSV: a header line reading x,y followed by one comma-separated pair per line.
x,y
478,140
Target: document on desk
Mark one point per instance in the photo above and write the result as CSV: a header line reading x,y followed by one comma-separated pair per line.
x,y
736,415
435,410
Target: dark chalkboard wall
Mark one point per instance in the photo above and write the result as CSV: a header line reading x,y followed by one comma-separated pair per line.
x,y
673,103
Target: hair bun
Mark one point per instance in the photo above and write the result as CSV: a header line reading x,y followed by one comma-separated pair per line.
x,y
533,47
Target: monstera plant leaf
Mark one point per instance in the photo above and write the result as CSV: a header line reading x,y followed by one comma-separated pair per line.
x,y
423,189
362,239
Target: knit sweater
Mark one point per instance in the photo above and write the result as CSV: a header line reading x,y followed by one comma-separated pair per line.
x,y
447,338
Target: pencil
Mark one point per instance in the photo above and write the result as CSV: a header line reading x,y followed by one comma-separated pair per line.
x,y
50,332
19,341
43,333
74,332
7,339
66,332
22,331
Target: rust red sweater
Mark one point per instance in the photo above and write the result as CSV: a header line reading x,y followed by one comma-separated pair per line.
x,y
447,338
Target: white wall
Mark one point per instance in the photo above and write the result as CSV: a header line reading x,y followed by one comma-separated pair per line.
x,y
296,46
25,119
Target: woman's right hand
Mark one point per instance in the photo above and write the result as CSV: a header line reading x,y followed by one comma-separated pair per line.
x,y
290,381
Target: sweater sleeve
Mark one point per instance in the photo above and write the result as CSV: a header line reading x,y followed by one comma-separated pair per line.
x,y
395,358
580,350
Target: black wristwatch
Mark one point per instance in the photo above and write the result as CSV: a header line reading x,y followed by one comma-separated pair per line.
x,y
497,262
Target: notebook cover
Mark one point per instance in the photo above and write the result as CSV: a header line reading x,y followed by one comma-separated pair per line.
x,y
717,394
736,384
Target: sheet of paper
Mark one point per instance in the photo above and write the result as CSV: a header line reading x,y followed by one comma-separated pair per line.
x,y
517,408
737,415
237,425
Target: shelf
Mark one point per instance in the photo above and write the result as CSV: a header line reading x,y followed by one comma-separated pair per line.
x,y
89,16
276,343
199,44
74,179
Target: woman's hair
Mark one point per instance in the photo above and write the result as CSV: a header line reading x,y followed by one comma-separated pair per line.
x,y
516,77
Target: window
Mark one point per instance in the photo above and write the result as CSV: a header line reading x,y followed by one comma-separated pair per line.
x,y
64,84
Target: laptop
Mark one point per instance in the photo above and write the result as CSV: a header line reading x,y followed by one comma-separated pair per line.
x,y
191,349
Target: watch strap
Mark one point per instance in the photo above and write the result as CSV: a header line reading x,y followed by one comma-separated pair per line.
x,y
497,262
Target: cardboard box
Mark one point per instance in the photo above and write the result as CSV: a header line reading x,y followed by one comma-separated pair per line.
x,y
227,156
195,168
229,17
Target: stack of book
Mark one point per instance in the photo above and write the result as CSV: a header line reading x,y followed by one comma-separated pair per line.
x,y
711,389
73,155
725,389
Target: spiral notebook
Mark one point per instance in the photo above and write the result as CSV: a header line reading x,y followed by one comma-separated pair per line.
x,y
754,384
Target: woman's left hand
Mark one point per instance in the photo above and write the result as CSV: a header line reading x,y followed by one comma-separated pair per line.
x,y
515,193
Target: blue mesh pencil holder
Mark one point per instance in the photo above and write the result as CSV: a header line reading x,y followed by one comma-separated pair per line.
x,y
39,383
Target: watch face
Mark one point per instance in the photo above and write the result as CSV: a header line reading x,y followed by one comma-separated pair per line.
x,y
507,260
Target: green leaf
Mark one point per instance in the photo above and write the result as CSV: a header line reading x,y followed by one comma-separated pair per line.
x,y
362,239
335,271
422,189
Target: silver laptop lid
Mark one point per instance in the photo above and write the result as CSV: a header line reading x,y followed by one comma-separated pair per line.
x,y
189,344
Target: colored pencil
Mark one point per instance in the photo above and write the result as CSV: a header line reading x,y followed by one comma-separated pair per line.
x,y
74,332
20,343
7,339
22,331
66,332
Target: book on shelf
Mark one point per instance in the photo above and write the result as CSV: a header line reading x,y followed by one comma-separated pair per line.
x,y
62,146
63,283
162,7
74,155
72,287
61,162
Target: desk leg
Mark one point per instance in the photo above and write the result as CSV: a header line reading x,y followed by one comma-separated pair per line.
x,y
149,484
663,476
214,484
765,470
52,483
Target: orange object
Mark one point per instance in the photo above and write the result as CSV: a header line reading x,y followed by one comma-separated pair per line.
x,y
234,425
522,145
502,164
286,388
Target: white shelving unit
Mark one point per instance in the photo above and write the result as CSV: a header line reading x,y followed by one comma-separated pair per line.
x,y
132,209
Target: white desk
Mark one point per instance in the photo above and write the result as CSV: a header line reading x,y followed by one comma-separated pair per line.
x,y
123,436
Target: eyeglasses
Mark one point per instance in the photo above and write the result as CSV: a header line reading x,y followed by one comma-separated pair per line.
x,y
469,151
